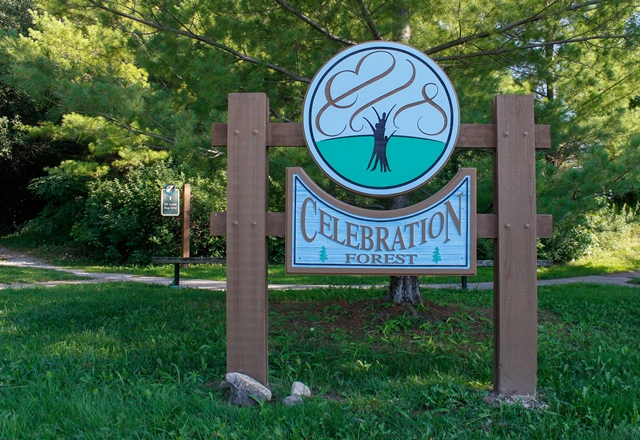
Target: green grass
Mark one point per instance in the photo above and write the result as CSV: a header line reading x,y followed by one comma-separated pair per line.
x,y
277,275
27,275
623,256
134,361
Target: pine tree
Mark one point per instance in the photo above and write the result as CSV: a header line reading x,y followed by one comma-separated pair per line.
x,y
436,255
323,254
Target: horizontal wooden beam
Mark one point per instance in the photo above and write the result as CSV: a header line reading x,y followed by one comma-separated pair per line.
x,y
487,225
188,260
290,134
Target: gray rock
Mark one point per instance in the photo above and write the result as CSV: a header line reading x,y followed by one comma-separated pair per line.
x,y
292,400
300,389
246,390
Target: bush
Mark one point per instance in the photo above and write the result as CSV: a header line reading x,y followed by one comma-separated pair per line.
x,y
578,236
121,222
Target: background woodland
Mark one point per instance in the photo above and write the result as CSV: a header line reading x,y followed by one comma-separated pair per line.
x,y
103,102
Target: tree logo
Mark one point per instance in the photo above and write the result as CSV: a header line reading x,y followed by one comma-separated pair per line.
x,y
381,118
323,254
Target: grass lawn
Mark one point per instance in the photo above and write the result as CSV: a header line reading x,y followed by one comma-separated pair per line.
x,y
626,257
124,360
27,275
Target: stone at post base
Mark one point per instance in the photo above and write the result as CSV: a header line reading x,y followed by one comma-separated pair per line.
x,y
246,391
301,390
292,400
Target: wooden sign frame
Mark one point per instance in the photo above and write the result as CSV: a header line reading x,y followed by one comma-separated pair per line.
x,y
513,137
414,243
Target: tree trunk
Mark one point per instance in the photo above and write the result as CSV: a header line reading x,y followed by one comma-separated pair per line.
x,y
402,289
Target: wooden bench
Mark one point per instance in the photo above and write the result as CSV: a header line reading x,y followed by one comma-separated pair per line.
x,y
177,261
489,263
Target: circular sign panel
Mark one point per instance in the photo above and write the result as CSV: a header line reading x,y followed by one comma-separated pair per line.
x,y
381,118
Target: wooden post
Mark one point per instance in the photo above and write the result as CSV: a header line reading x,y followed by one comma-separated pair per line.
x,y
515,290
186,222
514,228
247,188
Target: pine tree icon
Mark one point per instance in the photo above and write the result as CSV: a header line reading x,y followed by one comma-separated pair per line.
x,y
323,254
436,255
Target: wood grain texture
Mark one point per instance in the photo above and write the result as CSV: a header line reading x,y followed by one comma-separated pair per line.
x,y
186,221
471,135
487,225
515,226
247,183
515,289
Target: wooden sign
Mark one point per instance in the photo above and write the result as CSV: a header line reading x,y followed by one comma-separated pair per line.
x,y
381,118
436,236
512,137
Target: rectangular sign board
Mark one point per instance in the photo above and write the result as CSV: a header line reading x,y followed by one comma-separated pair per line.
x,y
170,201
434,237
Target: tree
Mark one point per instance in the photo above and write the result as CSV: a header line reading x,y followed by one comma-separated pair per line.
x,y
381,139
436,255
21,158
155,74
323,254
15,16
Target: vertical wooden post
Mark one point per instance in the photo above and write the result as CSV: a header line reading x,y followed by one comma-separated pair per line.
x,y
515,297
247,200
186,222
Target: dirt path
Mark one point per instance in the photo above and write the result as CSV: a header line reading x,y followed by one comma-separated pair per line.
x,y
10,257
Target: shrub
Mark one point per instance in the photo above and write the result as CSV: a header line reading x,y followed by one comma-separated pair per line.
x,y
121,222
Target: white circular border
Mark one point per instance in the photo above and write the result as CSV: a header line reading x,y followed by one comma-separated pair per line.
x,y
454,125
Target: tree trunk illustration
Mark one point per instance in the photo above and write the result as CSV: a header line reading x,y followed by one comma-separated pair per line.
x,y
380,142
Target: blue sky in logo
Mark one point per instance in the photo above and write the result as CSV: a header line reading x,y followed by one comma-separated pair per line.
x,y
355,91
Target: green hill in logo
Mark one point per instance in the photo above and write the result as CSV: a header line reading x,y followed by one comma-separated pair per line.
x,y
408,159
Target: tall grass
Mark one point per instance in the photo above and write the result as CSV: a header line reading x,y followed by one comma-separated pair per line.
x,y
136,361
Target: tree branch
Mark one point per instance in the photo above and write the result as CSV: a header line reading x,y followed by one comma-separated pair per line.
x,y
507,27
314,24
371,25
240,56
529,46
133,130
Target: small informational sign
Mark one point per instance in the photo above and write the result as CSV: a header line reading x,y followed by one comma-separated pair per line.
x,y
381,118
170,201
434,237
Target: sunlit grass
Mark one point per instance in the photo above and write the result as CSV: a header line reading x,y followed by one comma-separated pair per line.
x,y
622,256
123,360
27,275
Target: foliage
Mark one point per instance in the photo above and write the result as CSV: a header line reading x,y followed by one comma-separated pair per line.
x,y
136,361
15,16
586,234
128,79
22,158
121,221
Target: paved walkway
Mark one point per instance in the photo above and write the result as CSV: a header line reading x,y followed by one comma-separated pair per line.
x,y
11,258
